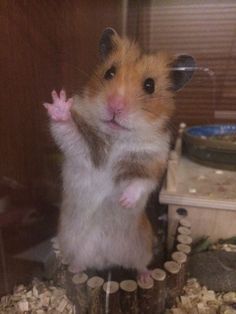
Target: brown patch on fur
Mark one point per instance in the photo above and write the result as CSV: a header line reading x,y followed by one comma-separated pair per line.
x,y
146,229
97,145
139,165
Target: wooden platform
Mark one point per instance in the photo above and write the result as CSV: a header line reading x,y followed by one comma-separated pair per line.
x,y
208,195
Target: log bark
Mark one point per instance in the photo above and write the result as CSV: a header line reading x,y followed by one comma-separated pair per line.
x,y
128,297
145,296
173,286
159,295
78,292
111,298
94,289
60,273
181,259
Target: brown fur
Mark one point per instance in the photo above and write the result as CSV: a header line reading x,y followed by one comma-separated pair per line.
x,y
97,145
146,228
139,166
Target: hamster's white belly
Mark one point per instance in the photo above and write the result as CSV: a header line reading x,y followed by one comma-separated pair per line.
x,y
95,231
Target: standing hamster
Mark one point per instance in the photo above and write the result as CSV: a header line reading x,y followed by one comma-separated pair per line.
x,y
115,141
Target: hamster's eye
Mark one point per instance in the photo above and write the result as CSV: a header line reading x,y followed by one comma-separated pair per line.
x,y
149,85
110,73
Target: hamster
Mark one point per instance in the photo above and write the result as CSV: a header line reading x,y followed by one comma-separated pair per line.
x,y
115,140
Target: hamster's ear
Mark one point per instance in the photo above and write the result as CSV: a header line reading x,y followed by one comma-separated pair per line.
x,y
182,70
106,44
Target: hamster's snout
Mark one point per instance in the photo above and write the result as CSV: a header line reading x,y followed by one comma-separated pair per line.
x,y
116,104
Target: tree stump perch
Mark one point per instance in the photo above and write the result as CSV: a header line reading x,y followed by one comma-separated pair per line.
x,y
111,298
159,301
94,289
128,293
98,295
173,283
145,296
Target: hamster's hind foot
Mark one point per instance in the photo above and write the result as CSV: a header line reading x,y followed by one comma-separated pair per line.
x,y
59,110
75,269
144,276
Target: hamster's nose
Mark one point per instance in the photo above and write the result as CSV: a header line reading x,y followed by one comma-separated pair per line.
x,y
116,103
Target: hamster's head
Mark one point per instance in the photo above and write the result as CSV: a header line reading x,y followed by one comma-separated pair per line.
x,y
131,91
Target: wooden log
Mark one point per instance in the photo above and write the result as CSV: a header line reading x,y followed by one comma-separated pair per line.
x,y
184,239
181,259
59,268
182,234
159,294
60,274
128,297
145,296
184,222
173,286
184,248
78,292
111,298
184,230
94,289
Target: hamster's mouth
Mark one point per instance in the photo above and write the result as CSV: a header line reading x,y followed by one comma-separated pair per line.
x,y
113,124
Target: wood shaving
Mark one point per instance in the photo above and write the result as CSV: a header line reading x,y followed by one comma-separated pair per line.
x,y
199,300
40,298
224,247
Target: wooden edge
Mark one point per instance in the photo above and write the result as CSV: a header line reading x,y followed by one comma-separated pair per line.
x,y
184,230
128,285
158,274
147,284
184,222
184,239
80,278
95,282
111,287
179,257
183,248
172,267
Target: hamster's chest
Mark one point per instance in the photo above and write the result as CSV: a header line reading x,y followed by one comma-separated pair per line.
x,y
87,183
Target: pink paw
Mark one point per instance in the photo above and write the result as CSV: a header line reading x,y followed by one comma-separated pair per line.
x,y
144,277
59,110
74,268
131,196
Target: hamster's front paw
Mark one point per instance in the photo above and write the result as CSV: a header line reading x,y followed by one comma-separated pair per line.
x,y
131,195
59,110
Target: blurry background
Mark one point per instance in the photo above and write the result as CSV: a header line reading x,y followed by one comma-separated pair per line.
x,y
51,44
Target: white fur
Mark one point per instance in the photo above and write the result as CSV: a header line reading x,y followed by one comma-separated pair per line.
x,y
95,229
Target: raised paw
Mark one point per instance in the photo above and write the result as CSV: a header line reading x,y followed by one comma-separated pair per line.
x,y
59,110
131,196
